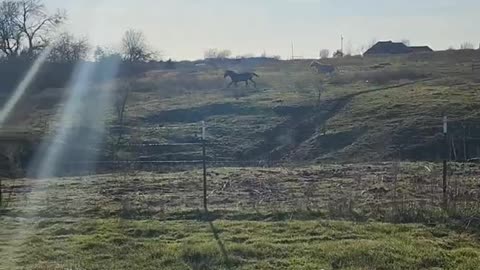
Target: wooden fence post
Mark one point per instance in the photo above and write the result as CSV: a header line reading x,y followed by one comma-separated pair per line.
x,y
204,155
445,183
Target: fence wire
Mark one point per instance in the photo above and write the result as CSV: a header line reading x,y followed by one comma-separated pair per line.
x,y
394,191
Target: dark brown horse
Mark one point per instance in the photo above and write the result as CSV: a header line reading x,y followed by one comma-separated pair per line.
x,y
240,77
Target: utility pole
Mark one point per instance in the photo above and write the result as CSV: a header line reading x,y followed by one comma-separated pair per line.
x,y
445,158
293,54
204,168
341,45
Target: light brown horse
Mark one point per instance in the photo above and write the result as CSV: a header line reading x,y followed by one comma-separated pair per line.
x,y
322,68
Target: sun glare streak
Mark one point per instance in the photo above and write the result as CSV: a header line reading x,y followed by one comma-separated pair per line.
x,y
52,147
82,122
86,105
23,86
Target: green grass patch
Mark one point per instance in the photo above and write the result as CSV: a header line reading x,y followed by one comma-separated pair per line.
x,y
221,244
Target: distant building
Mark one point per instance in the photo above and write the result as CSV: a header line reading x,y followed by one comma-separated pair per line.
x,y
420,49
390,47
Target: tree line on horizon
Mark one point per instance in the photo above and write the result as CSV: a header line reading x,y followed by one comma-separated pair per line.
x,y
27,28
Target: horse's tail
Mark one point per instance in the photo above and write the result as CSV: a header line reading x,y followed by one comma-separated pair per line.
x,y
255,74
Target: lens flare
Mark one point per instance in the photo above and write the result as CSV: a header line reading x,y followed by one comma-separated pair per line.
x,y
82,122
24,84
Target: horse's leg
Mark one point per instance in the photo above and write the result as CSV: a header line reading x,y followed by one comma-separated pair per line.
x,y
236,84
254,83
230,84
246,83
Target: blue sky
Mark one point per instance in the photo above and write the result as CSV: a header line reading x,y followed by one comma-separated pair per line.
x,y
184,29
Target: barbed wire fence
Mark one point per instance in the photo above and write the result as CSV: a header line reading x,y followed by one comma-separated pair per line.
x,y
393,191
166,158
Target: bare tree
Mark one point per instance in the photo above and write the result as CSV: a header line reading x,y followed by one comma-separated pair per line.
x,y
307,85
106,54
324,53
120,103
10,33
25,26
210,53
363,48
217,54
224,54
120,106
338,54
135,48
68,49
370,44
35,23
467,46
100,53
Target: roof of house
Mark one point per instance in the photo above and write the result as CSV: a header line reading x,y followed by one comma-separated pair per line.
x,y
390,47
421,49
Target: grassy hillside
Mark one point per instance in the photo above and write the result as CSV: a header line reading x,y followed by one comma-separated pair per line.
x,y
384,108
364,113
